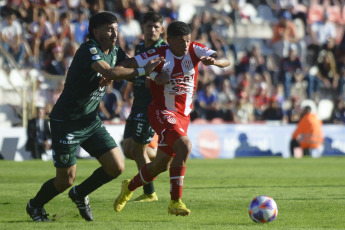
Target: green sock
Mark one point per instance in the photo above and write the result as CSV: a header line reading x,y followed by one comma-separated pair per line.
x,y
45,194
98,178
149,188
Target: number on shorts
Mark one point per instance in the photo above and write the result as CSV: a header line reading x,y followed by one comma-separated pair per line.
x,y
139,128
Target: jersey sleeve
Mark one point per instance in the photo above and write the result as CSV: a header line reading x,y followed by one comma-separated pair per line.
x,y
93,53
202,50
143,58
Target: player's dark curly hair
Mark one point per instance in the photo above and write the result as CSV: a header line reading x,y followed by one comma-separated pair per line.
x,y
153,16
178,28
100,19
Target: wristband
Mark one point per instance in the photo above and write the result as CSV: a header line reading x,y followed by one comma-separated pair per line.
x,y
141,71
153,75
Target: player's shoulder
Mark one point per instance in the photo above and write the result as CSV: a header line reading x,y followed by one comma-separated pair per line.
x,y
197,44
158,50
89,47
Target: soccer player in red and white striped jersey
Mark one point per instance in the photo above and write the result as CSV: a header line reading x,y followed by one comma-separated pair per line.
x,y
172,86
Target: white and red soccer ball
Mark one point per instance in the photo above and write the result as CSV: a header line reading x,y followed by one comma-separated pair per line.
x,y
263,209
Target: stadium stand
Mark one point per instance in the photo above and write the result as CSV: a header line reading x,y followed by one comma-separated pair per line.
x,y
238,28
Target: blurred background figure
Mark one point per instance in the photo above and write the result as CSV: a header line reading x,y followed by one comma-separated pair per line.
x,y
308,138
284,34
129,29
11,37
38,134
111,105
290,68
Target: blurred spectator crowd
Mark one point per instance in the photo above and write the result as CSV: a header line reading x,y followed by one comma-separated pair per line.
x,y
285,53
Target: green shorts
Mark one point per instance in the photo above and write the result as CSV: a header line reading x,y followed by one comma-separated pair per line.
x,y
67,136
138,126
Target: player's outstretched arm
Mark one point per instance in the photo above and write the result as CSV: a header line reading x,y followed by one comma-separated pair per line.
x,y
121,73
160,78
213,59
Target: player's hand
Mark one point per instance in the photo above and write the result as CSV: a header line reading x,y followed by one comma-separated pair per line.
x,y
162,78
104,82
208,60
152,64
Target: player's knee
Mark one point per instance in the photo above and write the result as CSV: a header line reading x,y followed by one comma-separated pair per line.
x,y
159,168
183,146
116,171
64,183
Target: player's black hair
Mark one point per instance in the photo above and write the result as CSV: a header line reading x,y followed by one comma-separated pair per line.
x,y
153,16
178,28
100,19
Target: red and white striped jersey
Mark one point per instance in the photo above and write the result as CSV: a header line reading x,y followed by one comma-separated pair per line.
x,y
177,95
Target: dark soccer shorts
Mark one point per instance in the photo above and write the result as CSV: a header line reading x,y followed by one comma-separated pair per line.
x,y
67,136
138,126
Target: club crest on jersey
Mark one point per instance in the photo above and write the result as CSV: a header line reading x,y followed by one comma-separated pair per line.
x,y
96,57
93,50
171,119
187,64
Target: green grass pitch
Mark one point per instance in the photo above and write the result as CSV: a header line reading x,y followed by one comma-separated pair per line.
x,y
310,194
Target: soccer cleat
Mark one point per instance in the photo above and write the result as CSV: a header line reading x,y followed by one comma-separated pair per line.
x,y
146,197
178,208
37,214
124,196
83,204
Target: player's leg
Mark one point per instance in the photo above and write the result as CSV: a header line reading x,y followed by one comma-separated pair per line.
x,y
141,132
103,147
126,145
151,153
147,174
65,163
141,159
51,188
182,148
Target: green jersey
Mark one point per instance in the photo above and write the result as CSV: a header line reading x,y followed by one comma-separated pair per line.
x,y
81,95
142,95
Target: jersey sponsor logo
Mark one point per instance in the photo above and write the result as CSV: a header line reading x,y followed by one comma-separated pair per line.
x,y
69,137
64,158
96,57
69,140
93,50
140,115
182,85
177,74
166,112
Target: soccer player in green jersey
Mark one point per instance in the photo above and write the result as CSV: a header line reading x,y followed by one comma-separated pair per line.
x,y
74,121
138,132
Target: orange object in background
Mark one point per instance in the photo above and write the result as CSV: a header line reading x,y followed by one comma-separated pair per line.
x,y
154,143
